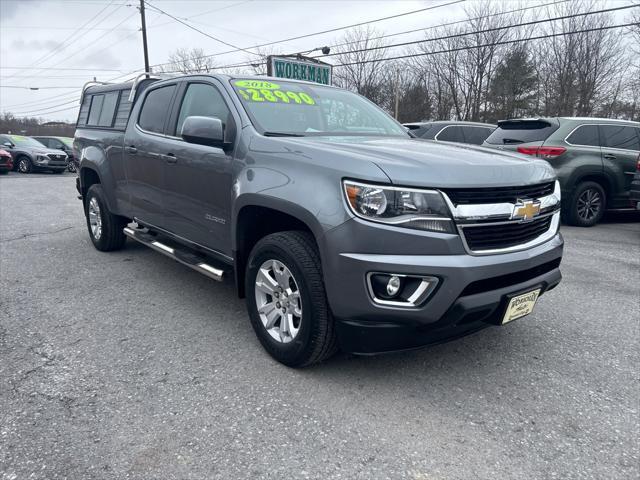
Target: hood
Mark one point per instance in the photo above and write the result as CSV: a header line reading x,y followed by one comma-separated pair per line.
x,y
424,163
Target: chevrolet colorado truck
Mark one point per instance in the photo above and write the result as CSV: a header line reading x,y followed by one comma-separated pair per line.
x,y
341,229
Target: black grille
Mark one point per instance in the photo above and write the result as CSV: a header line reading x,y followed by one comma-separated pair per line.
x,y
509,279
489,237
56,158
460,196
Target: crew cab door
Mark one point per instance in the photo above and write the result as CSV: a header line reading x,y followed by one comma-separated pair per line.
x,y
198,177
144,144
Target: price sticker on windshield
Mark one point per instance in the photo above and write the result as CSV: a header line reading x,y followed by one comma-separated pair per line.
x,y
267,92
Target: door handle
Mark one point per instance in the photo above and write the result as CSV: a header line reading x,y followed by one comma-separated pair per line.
x,y
610,156
131,150
170,158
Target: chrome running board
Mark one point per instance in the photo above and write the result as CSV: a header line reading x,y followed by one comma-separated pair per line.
x,y
179,254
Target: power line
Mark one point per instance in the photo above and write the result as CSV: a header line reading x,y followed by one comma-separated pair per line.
x,y
60,97
46,27
467,47
96,69
57,98
475,32
390,58
61,46
55,111
197,29
494,44
467,20
83,50
328,31
35,88
42,110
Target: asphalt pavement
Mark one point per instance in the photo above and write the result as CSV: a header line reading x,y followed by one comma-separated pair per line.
x,y
128,365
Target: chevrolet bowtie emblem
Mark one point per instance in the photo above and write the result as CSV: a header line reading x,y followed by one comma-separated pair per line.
x,y
526,210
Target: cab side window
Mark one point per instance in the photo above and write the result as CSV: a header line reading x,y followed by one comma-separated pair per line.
x,y
102,108
451,134
585,135
420,131
476,135
155,109
203,100
620,136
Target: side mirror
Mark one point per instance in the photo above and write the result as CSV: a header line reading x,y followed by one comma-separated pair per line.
x,y
8,144
203,131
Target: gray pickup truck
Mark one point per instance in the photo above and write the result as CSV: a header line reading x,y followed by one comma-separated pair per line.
x,y
340,228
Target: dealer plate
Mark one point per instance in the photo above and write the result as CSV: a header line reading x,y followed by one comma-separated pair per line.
x,y
520,306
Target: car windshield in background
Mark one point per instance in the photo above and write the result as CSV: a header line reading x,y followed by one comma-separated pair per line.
x,y
509,133
67,141
21,141
299,109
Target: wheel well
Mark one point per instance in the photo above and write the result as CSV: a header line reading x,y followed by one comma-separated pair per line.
x,y
253,224
599,179
88,177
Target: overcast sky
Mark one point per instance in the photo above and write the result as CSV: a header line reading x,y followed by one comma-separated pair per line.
x,y
45,34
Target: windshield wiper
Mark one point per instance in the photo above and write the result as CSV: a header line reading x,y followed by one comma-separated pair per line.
x,y
282,134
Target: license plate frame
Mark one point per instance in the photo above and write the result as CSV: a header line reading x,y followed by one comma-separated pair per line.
x,y
520,305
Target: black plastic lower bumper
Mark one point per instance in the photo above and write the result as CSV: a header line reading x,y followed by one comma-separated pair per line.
x,y
467,315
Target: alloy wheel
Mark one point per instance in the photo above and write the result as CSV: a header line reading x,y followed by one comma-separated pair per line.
x,y
23,166
95,219
278,301
589,204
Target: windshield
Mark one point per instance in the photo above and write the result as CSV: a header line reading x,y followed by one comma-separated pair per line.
x,y
21,141
67,141
288,108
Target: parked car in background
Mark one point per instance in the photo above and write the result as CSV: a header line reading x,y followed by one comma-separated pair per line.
x,y
30,155
60,143
634,194
6,162
595,159
458,132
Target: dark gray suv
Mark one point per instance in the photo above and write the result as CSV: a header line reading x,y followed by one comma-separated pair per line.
x,y
339,228
595,159
473,133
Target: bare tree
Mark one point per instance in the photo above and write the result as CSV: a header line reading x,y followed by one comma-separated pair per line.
x,y
360,68
188,61
461,60
579,72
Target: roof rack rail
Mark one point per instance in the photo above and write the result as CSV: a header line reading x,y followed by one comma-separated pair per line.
x,y
144,76
88,84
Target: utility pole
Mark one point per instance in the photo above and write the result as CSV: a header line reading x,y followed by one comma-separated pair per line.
x,y
397,92
144,38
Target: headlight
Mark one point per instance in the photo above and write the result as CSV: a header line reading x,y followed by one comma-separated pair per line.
x,y
403,207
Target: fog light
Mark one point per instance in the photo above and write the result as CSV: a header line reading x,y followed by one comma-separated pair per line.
x,y
393,286
400,290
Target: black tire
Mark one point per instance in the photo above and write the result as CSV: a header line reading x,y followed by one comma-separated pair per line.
x,y
4,172
111,236
316,339
24,165
586,205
